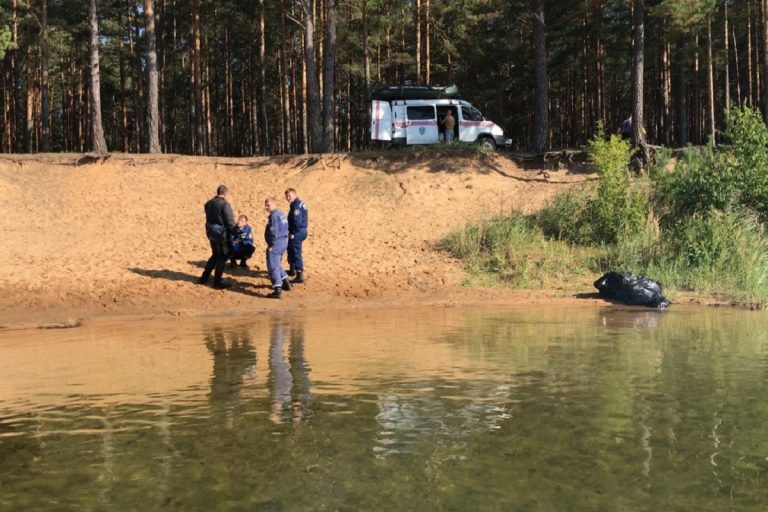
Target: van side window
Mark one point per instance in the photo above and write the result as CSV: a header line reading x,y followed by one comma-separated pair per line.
x,y
471,114
421,113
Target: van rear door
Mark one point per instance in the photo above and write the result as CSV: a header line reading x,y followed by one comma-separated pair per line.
x,y
421,125
381,120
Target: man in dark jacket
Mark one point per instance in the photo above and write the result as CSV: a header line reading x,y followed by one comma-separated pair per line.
x,y
276,236
219,226
298,220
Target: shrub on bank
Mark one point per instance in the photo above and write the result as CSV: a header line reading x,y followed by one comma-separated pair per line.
x,y
706,179
699,226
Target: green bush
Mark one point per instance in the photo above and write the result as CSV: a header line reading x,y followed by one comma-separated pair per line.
x,y
611,211
749,137
617,208
724,252
564,218
700,181
707,179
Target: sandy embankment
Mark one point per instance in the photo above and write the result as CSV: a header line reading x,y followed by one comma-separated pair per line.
x,y
125,236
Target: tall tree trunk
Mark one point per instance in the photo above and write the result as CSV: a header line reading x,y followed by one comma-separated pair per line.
x,y
665,124
540,135
418,41
29,87
173,130
681,106
46,139
710,83
197,82
366,51
737,67
427,76
329,79
10,109
638,71
134,34
98,143
153,110
263,119
285,77
726,64
313,93
123,94
750,75
765,60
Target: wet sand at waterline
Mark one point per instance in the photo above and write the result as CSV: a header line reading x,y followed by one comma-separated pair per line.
x,y
125,236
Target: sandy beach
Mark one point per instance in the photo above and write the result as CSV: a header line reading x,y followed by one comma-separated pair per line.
x,y
125,235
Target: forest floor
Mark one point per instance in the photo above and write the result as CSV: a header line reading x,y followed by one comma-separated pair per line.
x,y
125,235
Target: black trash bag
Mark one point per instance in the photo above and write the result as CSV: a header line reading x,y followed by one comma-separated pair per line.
x,y
631,290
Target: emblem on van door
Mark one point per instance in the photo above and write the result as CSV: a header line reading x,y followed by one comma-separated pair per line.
x,y
422,130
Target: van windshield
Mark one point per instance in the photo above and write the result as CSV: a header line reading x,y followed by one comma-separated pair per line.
x,y
471,114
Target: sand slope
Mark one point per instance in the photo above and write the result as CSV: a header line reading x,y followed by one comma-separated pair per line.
x,y
126,235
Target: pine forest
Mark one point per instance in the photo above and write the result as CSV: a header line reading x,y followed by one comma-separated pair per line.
x,y
264,77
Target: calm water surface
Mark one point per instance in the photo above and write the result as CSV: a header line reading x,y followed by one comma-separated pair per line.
x,y
431,409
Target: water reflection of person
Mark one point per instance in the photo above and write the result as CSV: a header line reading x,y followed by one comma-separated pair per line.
x,y
300,370
231,364
289,382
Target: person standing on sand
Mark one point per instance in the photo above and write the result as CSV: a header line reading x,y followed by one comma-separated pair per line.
x,y
276,236
219,226
298,220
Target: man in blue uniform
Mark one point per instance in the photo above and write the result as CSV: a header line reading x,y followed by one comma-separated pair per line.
x,y
298,220
219,226
276,236
241,244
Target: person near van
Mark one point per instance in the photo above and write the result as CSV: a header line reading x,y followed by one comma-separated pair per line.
x,y
449,123
298,220
626,128
276,236
219,226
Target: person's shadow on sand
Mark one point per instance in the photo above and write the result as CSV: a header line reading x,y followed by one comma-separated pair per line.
x,y
175,275
234,270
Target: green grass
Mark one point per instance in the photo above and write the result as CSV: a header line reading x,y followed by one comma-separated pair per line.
x,y
511,251
720,254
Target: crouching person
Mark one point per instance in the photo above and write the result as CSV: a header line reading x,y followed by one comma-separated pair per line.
x,y
241,244
276,236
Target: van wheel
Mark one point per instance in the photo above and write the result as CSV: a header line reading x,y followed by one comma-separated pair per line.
x,y
486,143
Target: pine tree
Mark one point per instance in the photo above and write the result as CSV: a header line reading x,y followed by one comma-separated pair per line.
x,y
98,143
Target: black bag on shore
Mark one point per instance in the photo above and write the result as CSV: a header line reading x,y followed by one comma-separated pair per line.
x,y
631,290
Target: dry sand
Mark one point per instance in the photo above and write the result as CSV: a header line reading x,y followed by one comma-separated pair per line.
x,y
125,236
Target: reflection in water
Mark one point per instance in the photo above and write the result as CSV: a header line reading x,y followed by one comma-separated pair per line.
x,y
289,382
635,318
300,371
408,418
605,409
233,362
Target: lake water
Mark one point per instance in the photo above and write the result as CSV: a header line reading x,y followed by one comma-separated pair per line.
x,y
581,409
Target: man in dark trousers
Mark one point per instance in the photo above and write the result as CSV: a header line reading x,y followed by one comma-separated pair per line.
x,y
219,226
276,236
298,220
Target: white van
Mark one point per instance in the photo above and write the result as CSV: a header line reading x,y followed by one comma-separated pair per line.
x,y
407,115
